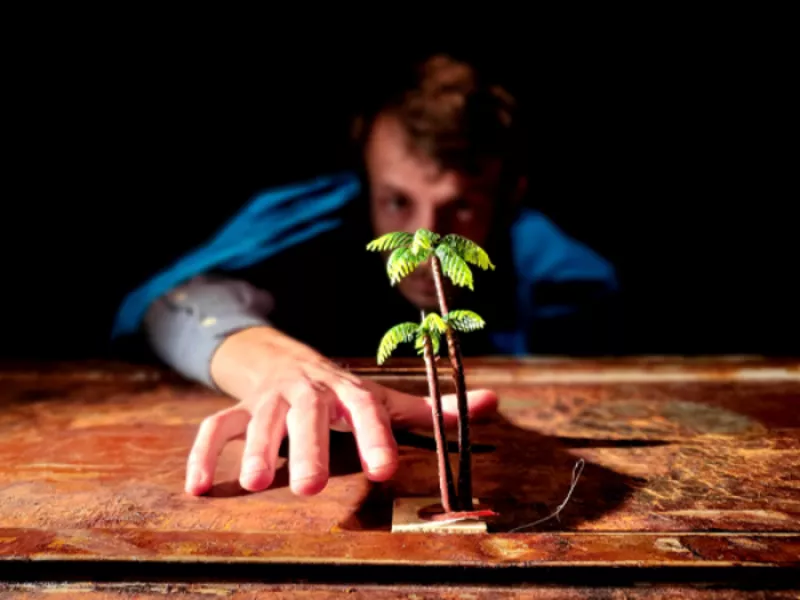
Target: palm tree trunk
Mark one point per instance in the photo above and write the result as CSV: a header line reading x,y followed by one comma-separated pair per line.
x,y
454,352
446,487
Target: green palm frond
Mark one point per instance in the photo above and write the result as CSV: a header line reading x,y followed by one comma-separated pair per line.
x,y
464,320
399,334
468,250
424,240
433,322
401,263
454,267
422,255
391,241
419,343
435,338
435,341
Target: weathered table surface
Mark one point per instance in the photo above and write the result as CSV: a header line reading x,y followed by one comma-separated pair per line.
x,y
691,488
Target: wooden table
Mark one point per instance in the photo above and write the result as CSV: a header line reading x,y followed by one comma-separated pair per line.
x,y
691,488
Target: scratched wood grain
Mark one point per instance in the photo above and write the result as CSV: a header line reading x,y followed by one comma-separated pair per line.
x,y
692,463
139,591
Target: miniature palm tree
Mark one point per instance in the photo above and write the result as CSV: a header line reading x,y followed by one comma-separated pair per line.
x,y
426,337
451,256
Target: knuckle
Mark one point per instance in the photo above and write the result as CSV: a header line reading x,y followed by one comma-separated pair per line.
x,y
265,404
306,394
210,425
213,423
360,399
312,402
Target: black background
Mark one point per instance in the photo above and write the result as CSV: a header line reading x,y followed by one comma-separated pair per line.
x,y
668,151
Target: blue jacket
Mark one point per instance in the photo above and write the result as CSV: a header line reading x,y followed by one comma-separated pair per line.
x,y
550,294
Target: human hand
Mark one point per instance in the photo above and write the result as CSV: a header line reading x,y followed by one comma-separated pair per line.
x,y
285,388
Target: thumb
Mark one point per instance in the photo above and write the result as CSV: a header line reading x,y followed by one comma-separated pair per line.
x,y
407,411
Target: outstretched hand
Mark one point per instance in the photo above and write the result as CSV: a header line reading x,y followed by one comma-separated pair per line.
x,y
285,388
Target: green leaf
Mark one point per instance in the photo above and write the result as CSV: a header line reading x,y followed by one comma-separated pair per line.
x,y
468,250
399,334
419,343
401,263
454,267
423,255
464,320
435,338
433,322
391,241
424,240
436,342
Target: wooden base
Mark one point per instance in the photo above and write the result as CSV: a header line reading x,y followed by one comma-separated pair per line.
x,y
406,518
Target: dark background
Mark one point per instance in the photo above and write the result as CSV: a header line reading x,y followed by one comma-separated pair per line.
x,y
667,152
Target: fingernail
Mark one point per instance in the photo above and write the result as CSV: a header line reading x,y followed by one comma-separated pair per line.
x,y
254,464
378,458
305,470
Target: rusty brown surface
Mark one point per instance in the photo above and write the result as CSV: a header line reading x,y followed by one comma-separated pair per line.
x,y
687,463
90,591
406,549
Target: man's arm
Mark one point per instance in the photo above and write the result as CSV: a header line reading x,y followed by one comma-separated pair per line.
x,y
186,326
216,331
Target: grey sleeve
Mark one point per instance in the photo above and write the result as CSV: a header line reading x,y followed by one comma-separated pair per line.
x,y
186,326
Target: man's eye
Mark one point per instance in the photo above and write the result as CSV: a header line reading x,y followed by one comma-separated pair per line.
x,y
397,203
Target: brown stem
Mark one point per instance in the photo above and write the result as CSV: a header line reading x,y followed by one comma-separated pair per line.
x,y
446,487
464,446
454,352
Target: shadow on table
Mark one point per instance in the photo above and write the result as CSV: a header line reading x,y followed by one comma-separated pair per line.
x,y
344,461
522,474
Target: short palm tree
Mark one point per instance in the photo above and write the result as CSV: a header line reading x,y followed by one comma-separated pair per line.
x,y
426,338
450,256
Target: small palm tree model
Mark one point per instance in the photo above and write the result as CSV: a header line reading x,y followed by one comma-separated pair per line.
x,y
450,256
427,339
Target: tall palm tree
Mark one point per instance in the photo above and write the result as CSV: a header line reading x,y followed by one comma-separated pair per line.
x,y
450,256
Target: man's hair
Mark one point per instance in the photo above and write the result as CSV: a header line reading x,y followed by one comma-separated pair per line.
x,y
452,113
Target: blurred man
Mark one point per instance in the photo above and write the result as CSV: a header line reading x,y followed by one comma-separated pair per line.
x,y
288,282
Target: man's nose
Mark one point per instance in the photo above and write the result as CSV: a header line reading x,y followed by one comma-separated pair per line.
x,y
430,219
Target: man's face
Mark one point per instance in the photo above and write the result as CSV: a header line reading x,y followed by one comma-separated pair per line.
x,y
410,192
